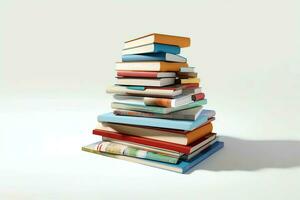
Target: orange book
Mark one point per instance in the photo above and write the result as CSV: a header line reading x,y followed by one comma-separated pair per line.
x,y
158,38
150,66
199,133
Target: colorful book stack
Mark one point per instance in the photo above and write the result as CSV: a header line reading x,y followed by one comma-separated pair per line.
x,y
158,118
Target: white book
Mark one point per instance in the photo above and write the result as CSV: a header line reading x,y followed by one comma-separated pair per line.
x,y
159,82
149,48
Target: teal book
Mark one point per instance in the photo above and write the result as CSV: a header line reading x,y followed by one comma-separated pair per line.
x,y
154,122
156,109
180,167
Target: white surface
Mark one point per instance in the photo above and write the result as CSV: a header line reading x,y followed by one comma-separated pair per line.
x,y
58,56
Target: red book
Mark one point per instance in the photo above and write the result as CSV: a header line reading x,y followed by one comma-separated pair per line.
x,y
186,149
199,96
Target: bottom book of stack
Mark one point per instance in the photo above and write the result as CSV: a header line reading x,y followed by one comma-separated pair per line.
x,y
155,156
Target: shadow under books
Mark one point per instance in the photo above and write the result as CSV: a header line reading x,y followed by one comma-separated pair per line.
x,y
249,155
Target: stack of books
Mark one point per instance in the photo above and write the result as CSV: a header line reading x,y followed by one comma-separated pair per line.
x,y
158,118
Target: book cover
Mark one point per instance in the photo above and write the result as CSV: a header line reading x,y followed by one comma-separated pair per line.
x,y
153,122
180,167
156,109
161,56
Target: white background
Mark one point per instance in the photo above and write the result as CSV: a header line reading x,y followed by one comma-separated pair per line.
x,y
57,57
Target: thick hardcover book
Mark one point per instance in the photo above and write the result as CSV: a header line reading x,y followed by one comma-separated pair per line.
x,y
152,48
158,82
180,167
142,74
187,114
154,122
155,109
158,38
150,66
186,149
163,134
153,57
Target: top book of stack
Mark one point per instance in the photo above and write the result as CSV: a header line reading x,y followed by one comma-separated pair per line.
x,y
154,52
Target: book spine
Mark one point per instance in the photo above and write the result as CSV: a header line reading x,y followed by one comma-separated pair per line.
x,y
137,74
166,48
199,96
145,141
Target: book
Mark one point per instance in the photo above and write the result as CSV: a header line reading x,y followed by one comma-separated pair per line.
x,y
187,74
190,80
158,38
180,100
153,122
152,48
155,109
126,150
162,134
199,96
150,66
187,69
180,167
144,91
187,114
186,149
195,153
146,147
159,82
161,56
142,74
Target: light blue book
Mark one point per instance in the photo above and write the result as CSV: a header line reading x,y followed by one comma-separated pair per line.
x,y
154,122
161,56
152,48
180,167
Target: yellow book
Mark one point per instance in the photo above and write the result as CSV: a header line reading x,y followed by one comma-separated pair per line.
x,y
190,80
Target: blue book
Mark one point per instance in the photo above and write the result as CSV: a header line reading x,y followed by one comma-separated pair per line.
x,y
180,167
161,56
152,48
154,122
